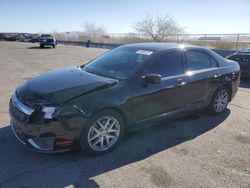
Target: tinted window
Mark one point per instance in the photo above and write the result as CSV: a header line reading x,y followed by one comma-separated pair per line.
x,y
197,60
213,62
168,64
119,63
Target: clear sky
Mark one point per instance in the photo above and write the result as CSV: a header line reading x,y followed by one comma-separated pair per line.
x,y
118,16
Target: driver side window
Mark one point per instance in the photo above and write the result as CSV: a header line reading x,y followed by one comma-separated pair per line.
x,y
167,64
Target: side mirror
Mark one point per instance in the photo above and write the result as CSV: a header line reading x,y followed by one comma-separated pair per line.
x,y
151,79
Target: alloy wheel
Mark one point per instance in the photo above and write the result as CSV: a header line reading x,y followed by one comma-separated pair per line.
x,y
221,101
104,133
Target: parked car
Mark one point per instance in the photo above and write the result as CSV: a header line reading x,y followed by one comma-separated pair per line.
x,y
243,58
1,36
9,37
27,39
125,89
47,40
35,39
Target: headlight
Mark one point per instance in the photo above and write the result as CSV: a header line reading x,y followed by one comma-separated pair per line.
x,y
49,111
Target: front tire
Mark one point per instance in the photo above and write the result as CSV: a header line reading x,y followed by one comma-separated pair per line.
x,y
102,133
219,101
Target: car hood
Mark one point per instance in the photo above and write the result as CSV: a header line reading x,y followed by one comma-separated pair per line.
x,y
240,57
62,85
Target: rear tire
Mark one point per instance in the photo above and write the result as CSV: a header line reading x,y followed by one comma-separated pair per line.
x,y
102,133
219,101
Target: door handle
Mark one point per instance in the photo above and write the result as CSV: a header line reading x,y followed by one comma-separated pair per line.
x,y
179,82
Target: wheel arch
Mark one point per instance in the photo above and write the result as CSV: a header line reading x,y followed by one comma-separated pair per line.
x,y
210,107
227,85
112,108
82,139
119,111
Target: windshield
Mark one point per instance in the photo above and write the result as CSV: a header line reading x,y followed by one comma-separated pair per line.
x,y
247,49
119,63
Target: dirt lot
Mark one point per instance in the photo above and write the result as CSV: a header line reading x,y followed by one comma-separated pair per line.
x,y
196,151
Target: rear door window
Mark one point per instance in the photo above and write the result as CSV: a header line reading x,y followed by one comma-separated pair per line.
x,y
197,60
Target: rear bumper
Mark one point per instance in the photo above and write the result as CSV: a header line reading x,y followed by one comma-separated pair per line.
x,y
235,84
47,43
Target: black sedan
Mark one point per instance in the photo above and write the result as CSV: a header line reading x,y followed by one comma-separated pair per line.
x,y
125,89
243,58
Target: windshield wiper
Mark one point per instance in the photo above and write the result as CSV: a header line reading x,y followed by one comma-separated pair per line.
x,y
91,71
95,72
101,74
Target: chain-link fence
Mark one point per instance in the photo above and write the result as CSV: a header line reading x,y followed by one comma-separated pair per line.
x,y
214,41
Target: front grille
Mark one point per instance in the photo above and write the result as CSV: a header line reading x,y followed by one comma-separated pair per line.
x,y
20,98
18,110
21,106
20,116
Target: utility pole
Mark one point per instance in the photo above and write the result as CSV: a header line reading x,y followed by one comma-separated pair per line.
x,y
237,42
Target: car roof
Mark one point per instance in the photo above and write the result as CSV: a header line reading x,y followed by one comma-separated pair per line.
x,y
167,46
158,46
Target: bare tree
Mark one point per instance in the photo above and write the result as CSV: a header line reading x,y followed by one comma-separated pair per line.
x,y
93,30
158,27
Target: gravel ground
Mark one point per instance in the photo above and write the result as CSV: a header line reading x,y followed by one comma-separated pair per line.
x,y
195,151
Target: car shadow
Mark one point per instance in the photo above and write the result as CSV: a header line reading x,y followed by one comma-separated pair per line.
x,y
25,168
37,47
